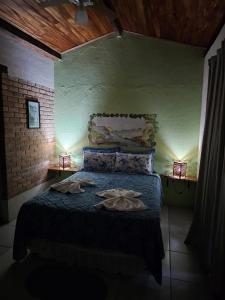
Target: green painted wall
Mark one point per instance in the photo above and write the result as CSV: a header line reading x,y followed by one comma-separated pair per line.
x,y
132,74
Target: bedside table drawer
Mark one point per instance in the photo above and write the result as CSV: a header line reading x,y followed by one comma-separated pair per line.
x,y
179,191
64,173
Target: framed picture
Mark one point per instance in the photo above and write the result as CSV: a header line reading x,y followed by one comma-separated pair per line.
x,y
33,113
125,130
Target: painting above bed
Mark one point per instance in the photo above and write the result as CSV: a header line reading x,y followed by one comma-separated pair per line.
x,y
128,130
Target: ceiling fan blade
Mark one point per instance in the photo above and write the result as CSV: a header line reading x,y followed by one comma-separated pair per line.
x,y
46,3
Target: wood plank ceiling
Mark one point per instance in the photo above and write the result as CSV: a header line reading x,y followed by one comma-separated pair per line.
x,y
193,22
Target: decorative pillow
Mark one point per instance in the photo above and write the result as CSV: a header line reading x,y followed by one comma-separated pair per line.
x,y
102,150
134,163
147,151
104,162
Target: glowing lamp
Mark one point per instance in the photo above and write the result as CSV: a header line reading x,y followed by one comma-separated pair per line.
x,y
64,161
179,169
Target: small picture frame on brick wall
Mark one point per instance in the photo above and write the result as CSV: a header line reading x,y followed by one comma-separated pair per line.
x,y
33,113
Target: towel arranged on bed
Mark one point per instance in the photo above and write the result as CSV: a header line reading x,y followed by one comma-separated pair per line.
x,y
121,200
72,187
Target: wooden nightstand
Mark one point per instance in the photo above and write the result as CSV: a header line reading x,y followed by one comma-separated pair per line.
x,y
55,169
179,191
187,179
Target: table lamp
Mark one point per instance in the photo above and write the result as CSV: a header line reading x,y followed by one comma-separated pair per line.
x,y
64,161
179,169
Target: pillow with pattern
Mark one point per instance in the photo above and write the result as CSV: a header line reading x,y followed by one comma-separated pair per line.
x,y
151,152
99,162
134,163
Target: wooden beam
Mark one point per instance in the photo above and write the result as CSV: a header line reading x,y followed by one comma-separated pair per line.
x,y
219,27
16,31
115,20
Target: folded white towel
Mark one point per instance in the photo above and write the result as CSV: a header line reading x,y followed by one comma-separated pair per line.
x,y
122,204
72,186
118,193
121,200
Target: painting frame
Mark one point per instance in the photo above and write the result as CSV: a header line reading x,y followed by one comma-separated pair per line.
x,y
33,113
124,130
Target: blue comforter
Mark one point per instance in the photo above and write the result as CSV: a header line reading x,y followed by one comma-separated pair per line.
x,y
74,219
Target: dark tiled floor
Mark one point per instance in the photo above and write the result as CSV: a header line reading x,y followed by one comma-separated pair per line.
x,y
182,277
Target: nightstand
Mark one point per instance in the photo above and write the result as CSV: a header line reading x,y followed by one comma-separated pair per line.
x,y
179,191
60,172
187,179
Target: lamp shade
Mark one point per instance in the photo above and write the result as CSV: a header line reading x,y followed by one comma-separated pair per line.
x,y
64,161
179,169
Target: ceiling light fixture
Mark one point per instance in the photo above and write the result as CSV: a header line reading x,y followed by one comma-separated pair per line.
x,y
81,14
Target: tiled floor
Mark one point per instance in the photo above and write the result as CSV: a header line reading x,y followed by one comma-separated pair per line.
x,y
182,277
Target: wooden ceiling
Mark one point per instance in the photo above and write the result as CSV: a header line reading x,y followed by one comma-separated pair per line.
x,y
193,22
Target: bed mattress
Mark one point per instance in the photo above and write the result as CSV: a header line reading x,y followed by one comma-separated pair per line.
x,y
74,219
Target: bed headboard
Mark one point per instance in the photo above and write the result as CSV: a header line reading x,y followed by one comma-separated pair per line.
x,y
124,130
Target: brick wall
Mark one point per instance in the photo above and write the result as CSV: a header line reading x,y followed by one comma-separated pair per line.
x,y
28,151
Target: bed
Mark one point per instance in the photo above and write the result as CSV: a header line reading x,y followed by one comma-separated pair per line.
x,y
70,227
73,219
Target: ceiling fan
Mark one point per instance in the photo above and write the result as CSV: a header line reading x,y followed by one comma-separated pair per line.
x,y
81,16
